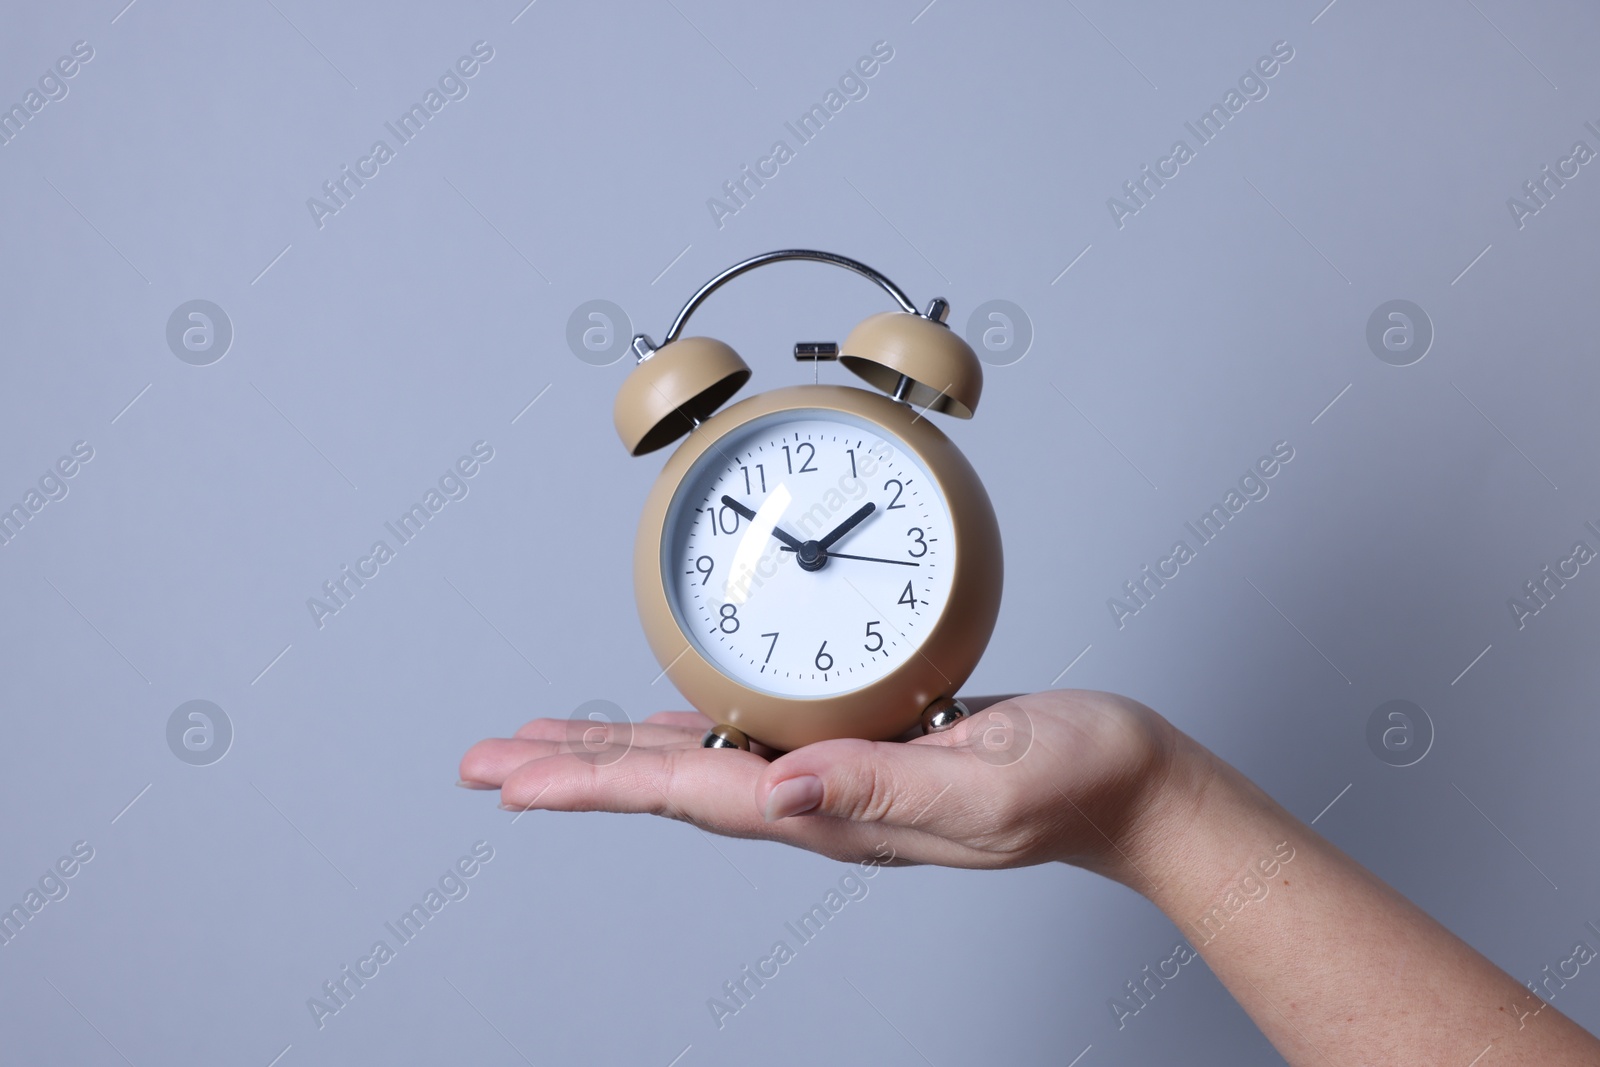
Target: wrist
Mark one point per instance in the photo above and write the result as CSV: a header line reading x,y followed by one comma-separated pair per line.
x,y
1202,826
1169,805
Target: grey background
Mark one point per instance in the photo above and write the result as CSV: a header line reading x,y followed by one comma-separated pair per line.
x,y
371,353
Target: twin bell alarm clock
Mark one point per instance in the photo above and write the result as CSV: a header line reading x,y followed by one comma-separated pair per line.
x,y
816,561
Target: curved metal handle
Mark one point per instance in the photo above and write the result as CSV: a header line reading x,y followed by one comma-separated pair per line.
x,y
760,261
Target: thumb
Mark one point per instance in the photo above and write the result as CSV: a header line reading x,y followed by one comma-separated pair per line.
x,y
863,781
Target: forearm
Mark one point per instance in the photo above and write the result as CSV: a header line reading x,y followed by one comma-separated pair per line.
x,y
1331,963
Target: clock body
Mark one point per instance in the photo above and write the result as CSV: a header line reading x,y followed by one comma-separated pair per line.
x,y
895,617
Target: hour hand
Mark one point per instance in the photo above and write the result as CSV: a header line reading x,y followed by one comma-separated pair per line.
x,y
847,525
747,514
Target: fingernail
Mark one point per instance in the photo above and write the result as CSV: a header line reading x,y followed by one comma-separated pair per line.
x,y
795,796
465,784
513,807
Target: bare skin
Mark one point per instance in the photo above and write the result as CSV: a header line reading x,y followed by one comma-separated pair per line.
x,y
1314,946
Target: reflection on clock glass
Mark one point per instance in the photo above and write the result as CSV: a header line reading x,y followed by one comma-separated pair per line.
x,y
808,553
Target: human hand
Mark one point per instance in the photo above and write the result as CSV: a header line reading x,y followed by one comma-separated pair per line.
x,y
1063,775
1099,781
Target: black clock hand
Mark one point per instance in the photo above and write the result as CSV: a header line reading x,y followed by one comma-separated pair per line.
x,y
847,525
868,559
792,542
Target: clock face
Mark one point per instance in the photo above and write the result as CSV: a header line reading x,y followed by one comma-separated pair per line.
x,y
808,553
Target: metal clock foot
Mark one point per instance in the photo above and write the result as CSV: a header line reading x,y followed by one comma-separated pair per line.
x,y
725,737
943,714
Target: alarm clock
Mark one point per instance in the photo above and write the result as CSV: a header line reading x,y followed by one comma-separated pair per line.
x,y
816,561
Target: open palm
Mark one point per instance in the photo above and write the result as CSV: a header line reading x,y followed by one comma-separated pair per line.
x,y
1027,779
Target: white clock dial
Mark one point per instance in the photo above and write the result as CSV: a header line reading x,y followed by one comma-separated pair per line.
x,y
763,611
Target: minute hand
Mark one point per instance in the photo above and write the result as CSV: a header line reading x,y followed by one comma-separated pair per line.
x,y
750,516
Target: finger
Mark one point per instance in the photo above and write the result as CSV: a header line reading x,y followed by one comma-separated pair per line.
x,y
699,724
710,787
977,705
491,761
690,719
870,782
713,789
590,733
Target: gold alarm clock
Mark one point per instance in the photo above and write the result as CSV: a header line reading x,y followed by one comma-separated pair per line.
x,y
817,561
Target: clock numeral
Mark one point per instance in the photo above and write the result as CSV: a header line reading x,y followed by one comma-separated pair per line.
x,y
721,519
899,487
805,464
704,565
761,476
822,654
908,597
852,453
871,634
773,645
916,533
730,614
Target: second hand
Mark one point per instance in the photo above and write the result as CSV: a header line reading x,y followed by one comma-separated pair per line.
x,y
868,559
